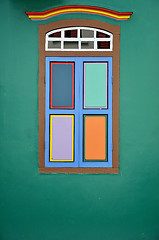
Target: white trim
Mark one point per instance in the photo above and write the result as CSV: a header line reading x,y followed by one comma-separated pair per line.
x,y
78,39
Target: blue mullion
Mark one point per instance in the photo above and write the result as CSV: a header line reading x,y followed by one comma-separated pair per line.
x,y
47,142
95,111
110,106
49,112
80,72
77,113
61,111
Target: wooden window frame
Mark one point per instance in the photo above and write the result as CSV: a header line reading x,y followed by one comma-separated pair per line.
x,y
115,54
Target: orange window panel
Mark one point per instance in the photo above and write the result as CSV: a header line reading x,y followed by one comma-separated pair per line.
x,y
95,131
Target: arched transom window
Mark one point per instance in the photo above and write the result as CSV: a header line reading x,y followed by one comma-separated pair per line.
x,y
79,39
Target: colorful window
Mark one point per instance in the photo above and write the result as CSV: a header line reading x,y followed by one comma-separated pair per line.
x,y
78,112
79,97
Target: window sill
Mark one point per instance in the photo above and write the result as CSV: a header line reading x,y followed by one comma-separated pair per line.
x,y
79,170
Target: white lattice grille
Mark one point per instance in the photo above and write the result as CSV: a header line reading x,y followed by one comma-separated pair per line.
x,y
79,39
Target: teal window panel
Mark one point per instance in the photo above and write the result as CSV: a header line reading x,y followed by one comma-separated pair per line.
x,y
95,85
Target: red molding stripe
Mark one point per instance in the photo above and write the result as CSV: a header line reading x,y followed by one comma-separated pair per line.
x,y
38,16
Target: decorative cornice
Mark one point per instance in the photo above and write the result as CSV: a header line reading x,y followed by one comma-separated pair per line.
x,y
39,16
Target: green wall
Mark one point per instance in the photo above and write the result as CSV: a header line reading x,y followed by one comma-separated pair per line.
x,y
79,207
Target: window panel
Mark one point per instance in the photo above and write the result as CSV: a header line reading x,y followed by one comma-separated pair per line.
x,y
87,33
95,137
95,85
54,44
102,35
87,45
55,35
70,33
62,138
62,78
103,45
71,45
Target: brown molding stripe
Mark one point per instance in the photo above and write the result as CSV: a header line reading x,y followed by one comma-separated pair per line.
x,y
38,16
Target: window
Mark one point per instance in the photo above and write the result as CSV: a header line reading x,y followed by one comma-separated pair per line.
x,y
79,97
78,112
79,39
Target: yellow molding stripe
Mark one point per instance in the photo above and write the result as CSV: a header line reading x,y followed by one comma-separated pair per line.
x,y
61,160
78,10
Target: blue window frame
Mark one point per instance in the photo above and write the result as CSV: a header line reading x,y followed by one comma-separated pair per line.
x,y
78,111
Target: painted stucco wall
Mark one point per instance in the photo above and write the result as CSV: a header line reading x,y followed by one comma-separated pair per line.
x,y
65,207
